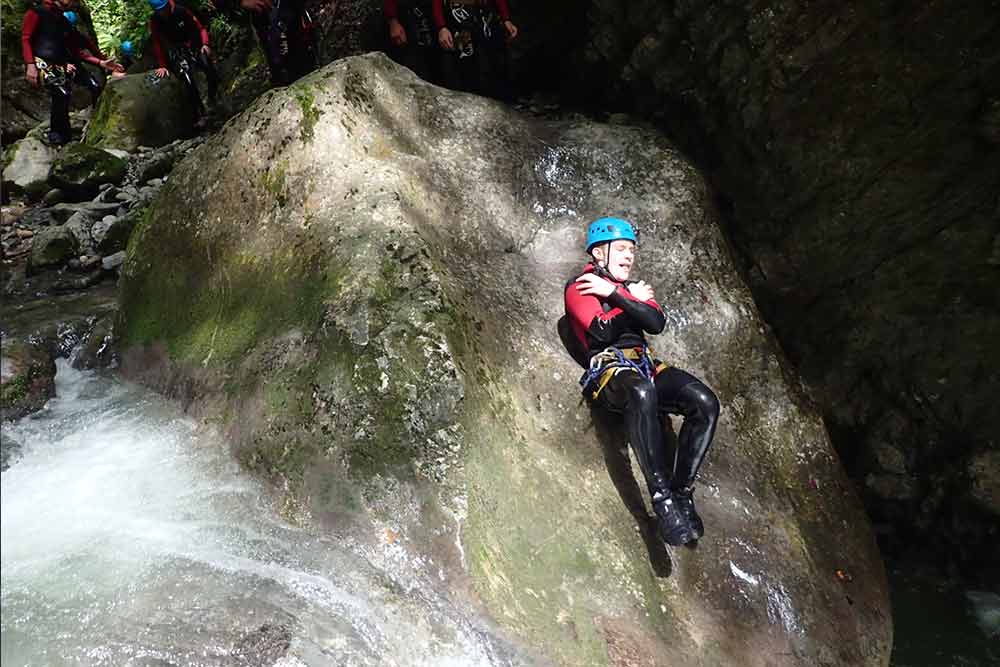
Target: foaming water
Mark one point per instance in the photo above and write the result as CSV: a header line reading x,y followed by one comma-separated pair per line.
x,y
129,536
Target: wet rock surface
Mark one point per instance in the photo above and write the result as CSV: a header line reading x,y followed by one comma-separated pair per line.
x,y
27,378
376,332
860,177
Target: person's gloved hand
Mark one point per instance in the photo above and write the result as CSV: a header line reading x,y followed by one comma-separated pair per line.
x,y
161,72
31,74
207,50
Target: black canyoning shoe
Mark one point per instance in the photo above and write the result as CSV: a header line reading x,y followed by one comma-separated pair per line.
x,y
684,500
674,527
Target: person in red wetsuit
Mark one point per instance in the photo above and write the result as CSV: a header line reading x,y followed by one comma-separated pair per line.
x,y
607,317
180,43
412,36
474,36
47,38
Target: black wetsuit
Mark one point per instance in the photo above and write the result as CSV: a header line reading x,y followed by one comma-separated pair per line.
x,y
621,321
421,53
286,37
479,62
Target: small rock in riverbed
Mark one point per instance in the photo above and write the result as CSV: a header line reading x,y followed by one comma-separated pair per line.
x,y
53,197
113,261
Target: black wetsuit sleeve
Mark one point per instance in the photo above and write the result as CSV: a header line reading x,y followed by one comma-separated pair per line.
x,y
650,318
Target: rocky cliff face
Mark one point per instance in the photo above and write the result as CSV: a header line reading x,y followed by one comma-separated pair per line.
x,y
856,145
359,278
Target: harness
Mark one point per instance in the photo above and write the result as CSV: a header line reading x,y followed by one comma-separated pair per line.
x,y
611,361
54,76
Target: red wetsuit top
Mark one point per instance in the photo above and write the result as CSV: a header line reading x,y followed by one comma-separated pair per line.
x,y
47,34
618,320
180,27
437,10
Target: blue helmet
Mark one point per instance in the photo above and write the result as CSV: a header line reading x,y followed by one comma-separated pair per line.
x,y
606,230
71,17
157,4
127,48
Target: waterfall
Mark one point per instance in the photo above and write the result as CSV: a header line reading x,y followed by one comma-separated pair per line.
x,y
130,536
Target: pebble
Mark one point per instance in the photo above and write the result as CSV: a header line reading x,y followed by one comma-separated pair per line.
x,y
24,233
53,197
113,261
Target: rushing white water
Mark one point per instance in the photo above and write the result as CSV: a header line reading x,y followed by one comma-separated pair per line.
x,y
129,536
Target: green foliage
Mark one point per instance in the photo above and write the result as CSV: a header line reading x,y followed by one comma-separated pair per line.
x,y
118,20
11,16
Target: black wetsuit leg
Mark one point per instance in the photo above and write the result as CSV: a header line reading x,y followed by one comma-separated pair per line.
x,y
460,67
89,81
491,56
59,127
635,397
287,42
681,393
420,52
205,64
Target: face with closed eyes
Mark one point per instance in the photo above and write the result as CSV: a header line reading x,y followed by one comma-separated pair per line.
x,y
617,257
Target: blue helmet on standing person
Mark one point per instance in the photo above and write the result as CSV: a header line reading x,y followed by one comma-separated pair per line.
x,y
127,48
157,5
606,230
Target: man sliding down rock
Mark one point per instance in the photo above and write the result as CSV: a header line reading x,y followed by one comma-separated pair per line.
x,y
186,48
607,316
50,45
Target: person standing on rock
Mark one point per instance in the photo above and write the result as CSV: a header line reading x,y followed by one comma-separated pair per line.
x,y
186,47
607,317
285,31
49,49
474,34
411,33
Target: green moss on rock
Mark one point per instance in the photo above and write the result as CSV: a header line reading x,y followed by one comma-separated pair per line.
x,y
81,169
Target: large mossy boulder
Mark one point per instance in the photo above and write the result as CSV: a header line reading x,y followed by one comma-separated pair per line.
x,y
137,110
81,170
366,300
